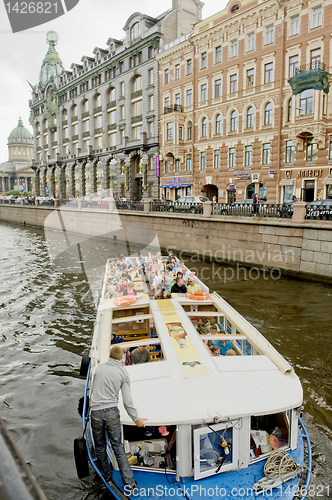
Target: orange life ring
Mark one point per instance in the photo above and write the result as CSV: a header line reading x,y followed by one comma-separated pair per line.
x,y
197,295
125,300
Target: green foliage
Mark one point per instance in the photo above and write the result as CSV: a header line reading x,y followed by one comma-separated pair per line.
x,y
14,192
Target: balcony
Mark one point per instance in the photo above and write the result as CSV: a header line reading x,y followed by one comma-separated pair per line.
x,y
112,126
85,114
74,119
97,110
310,76
171,109
111,104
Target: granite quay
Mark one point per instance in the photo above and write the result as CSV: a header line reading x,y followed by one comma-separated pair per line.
x,y
298,247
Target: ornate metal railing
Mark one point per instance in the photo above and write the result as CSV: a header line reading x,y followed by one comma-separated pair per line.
x,y
321,210
312,65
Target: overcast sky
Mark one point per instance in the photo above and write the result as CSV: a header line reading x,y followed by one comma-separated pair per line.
x,y
86,26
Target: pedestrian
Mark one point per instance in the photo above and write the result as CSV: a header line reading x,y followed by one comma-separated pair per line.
x,y
255,203
109,379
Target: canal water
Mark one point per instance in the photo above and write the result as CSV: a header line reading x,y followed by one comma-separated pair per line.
x,y
47,316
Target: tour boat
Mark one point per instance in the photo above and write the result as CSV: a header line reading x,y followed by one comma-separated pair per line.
x,y
213,422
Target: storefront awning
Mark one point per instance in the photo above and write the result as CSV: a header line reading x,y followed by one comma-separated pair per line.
x,y
175,186
287,182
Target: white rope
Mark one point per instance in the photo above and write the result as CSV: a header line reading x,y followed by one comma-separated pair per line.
x,y
279,464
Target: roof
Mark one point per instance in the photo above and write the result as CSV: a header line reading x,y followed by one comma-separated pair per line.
x,y
20,131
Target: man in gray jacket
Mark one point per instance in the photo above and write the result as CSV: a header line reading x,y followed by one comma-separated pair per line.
x,y
109,379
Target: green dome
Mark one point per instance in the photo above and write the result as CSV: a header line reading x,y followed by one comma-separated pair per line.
x,y
20,132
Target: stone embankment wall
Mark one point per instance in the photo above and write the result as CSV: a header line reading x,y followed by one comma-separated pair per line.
x,y
300,249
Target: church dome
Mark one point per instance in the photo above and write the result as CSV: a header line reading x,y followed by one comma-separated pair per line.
x,y
20,132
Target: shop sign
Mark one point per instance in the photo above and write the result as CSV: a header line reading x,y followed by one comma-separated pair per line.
x,y
271,174
231,187
310,173
157,167
255,177
242,176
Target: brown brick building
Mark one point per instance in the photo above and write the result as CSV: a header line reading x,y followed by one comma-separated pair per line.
x,y
230,122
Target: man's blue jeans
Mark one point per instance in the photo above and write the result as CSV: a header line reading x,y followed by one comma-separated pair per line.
x,y
108,420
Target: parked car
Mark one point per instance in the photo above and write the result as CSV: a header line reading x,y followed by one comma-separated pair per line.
x,y
94,202
192,204
240,207
319,209
156,205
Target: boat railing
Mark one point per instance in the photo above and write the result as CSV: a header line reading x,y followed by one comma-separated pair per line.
x,y
253,335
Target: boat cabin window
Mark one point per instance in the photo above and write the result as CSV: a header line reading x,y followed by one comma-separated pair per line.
x,y
216,449
151,447
267,433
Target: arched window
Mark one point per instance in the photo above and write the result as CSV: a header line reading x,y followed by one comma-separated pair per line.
x,y
111,95
74,110
85,106
250,117
137,83
218,124
190,131
97,100
233,121
289,110
268,114
204,127
135,31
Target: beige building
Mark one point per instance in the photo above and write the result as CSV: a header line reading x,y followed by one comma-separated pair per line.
x,y
244,104
16,172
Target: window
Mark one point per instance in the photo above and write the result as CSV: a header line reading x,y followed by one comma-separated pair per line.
x,y
111,95
290,152
250,117
203,92
268,76
295,25
177,165
169,131
233,48
233,121
150,52
251,42
122,89
166,166
315,59
178,99
289,110
180,133
203,160
136,133
135,31
137,108
218,54
217,88
137,84
266,154
167,105
233,80
204,60
150,129
216,159
317,16
306,102
189,131
204,127
330,149
177,72
231,157
188,163
166,76
218,124
269,34
189,97
311,149
150,76
189,67
112,117
250,77
248,156
293,65
150,102
268,114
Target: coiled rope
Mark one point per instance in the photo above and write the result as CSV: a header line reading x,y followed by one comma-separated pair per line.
x,y
279,464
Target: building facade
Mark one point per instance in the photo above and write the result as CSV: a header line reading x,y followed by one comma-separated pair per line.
x,y
16,173
244,104
96,126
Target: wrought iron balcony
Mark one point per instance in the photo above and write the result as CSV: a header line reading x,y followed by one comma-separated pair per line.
x,y
172,108
310,76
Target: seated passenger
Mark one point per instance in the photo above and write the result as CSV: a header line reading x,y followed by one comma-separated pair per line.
x,y
123,286
130,289
140,355
186,273
179,286
230,352
171,267
204,326
165,282
115,339
214,329
167,294
176,265
215,350
224,345
179,274
170,255
158,294
192,286
111,293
